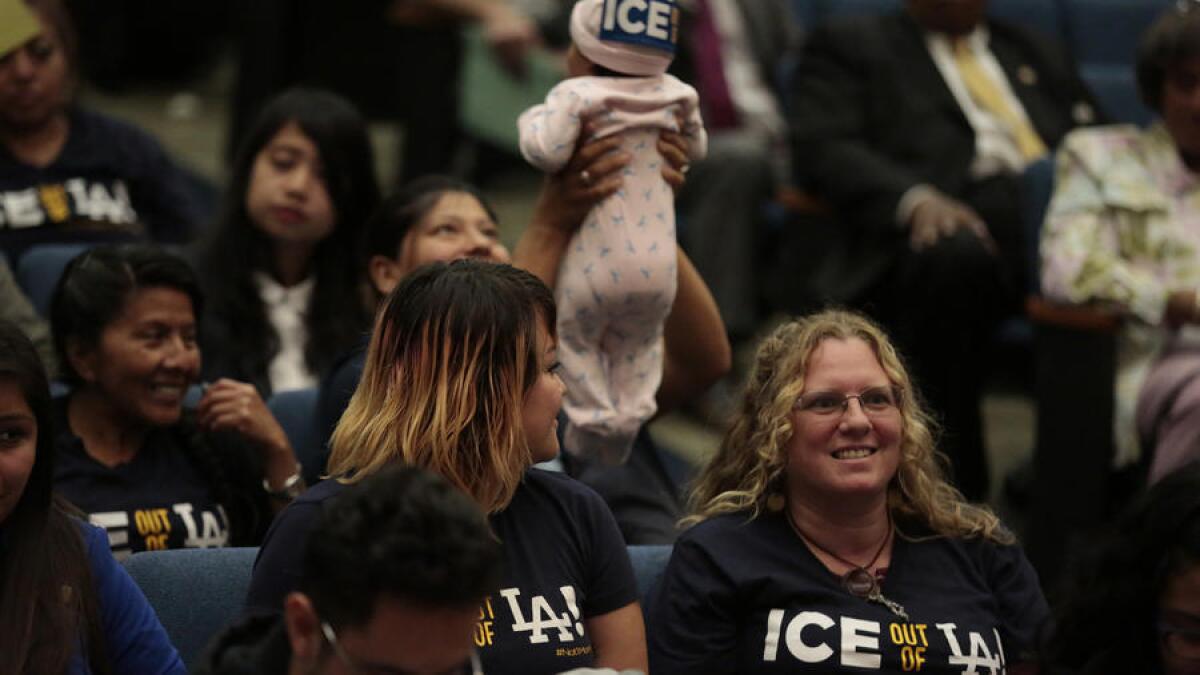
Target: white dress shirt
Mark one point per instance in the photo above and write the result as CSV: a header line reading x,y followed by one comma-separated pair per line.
x,y
287,308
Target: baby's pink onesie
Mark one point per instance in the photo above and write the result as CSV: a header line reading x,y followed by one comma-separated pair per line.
x,y
617,280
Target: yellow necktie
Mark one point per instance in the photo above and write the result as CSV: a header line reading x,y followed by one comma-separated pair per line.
x,y
986,94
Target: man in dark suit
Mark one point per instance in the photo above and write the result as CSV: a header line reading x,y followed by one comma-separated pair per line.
x,y
914,127
731,51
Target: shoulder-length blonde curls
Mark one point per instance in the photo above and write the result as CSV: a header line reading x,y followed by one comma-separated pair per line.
x,y
453,352
749,466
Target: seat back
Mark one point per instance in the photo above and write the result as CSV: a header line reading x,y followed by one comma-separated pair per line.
x,y
1043,16
1103,36
40,267
195,592
296,412
1037,185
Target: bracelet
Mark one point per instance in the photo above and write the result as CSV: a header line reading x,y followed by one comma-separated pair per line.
x,y
292,486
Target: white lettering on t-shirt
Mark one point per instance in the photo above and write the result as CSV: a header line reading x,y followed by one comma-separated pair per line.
x,y
213,535
859,639
100,204
568,593
543,617
856,635
22,208
980,656
116,525
795,639
771,646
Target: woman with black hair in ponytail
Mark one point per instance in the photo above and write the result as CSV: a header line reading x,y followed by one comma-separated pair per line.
x,y
65,605
154,474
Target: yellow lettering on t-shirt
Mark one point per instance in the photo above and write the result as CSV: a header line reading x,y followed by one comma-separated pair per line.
x,y
54,201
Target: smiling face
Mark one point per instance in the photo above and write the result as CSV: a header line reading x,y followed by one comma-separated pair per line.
x,y
18,445
855,453
456,226
146,358
287,199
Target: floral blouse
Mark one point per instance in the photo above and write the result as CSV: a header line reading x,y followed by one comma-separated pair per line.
x,y
1123,228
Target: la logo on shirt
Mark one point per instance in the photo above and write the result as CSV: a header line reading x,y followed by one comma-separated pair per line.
x,y
536,618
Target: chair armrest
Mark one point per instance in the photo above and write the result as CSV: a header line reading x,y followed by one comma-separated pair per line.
x,y
797,200
1089,318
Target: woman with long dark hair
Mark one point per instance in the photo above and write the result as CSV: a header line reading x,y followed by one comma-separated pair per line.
x,y
65,605
280,271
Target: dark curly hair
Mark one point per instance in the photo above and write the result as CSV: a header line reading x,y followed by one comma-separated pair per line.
x,y
1124,576
404,533
1173,37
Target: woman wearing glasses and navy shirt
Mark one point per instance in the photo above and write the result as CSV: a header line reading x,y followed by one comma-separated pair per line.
x,y
826,538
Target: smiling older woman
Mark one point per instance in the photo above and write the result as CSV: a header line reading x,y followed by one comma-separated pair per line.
x,y
826,537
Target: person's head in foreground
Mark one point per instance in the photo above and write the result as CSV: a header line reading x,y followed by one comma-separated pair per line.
x,y
1147,573
393,577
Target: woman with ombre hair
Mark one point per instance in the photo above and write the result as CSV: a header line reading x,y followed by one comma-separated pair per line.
x,y
460,378
827,506
462,421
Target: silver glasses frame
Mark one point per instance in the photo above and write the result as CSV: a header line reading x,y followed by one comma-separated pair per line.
x,y
891,389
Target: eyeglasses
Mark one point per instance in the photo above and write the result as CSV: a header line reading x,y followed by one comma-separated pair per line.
x,y
1182,643
875,401
472,667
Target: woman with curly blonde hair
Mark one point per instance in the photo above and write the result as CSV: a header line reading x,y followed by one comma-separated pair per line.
x,y
825,536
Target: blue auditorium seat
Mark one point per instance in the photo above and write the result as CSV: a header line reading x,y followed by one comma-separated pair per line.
x,y
1107,31
1037,184
296,412
1103,36
1115,87
1043,16
195,592
40,268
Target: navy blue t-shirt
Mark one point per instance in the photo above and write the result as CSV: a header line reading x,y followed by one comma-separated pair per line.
x,y
160,499
564,558
749,597
156,501
110,181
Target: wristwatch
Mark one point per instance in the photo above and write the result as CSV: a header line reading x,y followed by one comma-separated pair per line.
x,y
291,488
